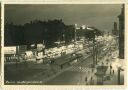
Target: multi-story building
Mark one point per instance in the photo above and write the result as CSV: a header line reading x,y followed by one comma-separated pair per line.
x,y
121,33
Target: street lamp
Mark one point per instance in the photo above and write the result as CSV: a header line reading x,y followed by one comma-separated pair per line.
x,y
119,69
98,42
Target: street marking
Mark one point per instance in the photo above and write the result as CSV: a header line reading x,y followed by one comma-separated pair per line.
x,y
79,69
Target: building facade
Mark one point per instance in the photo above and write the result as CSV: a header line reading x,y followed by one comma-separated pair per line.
x,y
121,33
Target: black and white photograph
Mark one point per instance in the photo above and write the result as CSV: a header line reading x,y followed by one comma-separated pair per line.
x,y
64,44
0,46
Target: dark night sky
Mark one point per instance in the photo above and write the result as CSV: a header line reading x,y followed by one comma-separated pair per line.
x,y
101,16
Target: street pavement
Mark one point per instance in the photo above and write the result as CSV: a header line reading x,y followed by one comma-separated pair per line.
x,y
116,63
83,75
79,73
40,75
38,72
76,74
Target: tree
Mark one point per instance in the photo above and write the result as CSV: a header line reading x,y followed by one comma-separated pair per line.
x,y
14,34
36,31
69,33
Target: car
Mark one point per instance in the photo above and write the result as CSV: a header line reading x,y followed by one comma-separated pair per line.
x,y
79,55
114,57
88,52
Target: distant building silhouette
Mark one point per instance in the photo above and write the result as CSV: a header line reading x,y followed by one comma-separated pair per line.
x,y
115,30
121,34
80,30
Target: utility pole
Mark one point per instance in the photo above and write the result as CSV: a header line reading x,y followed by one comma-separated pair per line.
x,y
118,76
93,52
96,52
75,36
75,32
17,53
119,70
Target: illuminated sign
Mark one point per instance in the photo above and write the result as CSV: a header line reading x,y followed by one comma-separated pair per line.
x,y
10,50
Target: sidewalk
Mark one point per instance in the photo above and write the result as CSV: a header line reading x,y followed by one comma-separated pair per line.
x,y
112,72
112,79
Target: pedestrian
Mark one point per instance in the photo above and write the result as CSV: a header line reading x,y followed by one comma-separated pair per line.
x,y
113,71
91,80
61,66
110,66
86,79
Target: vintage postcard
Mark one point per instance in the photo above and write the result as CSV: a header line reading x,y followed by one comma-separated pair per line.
x,y
64,44
0,47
